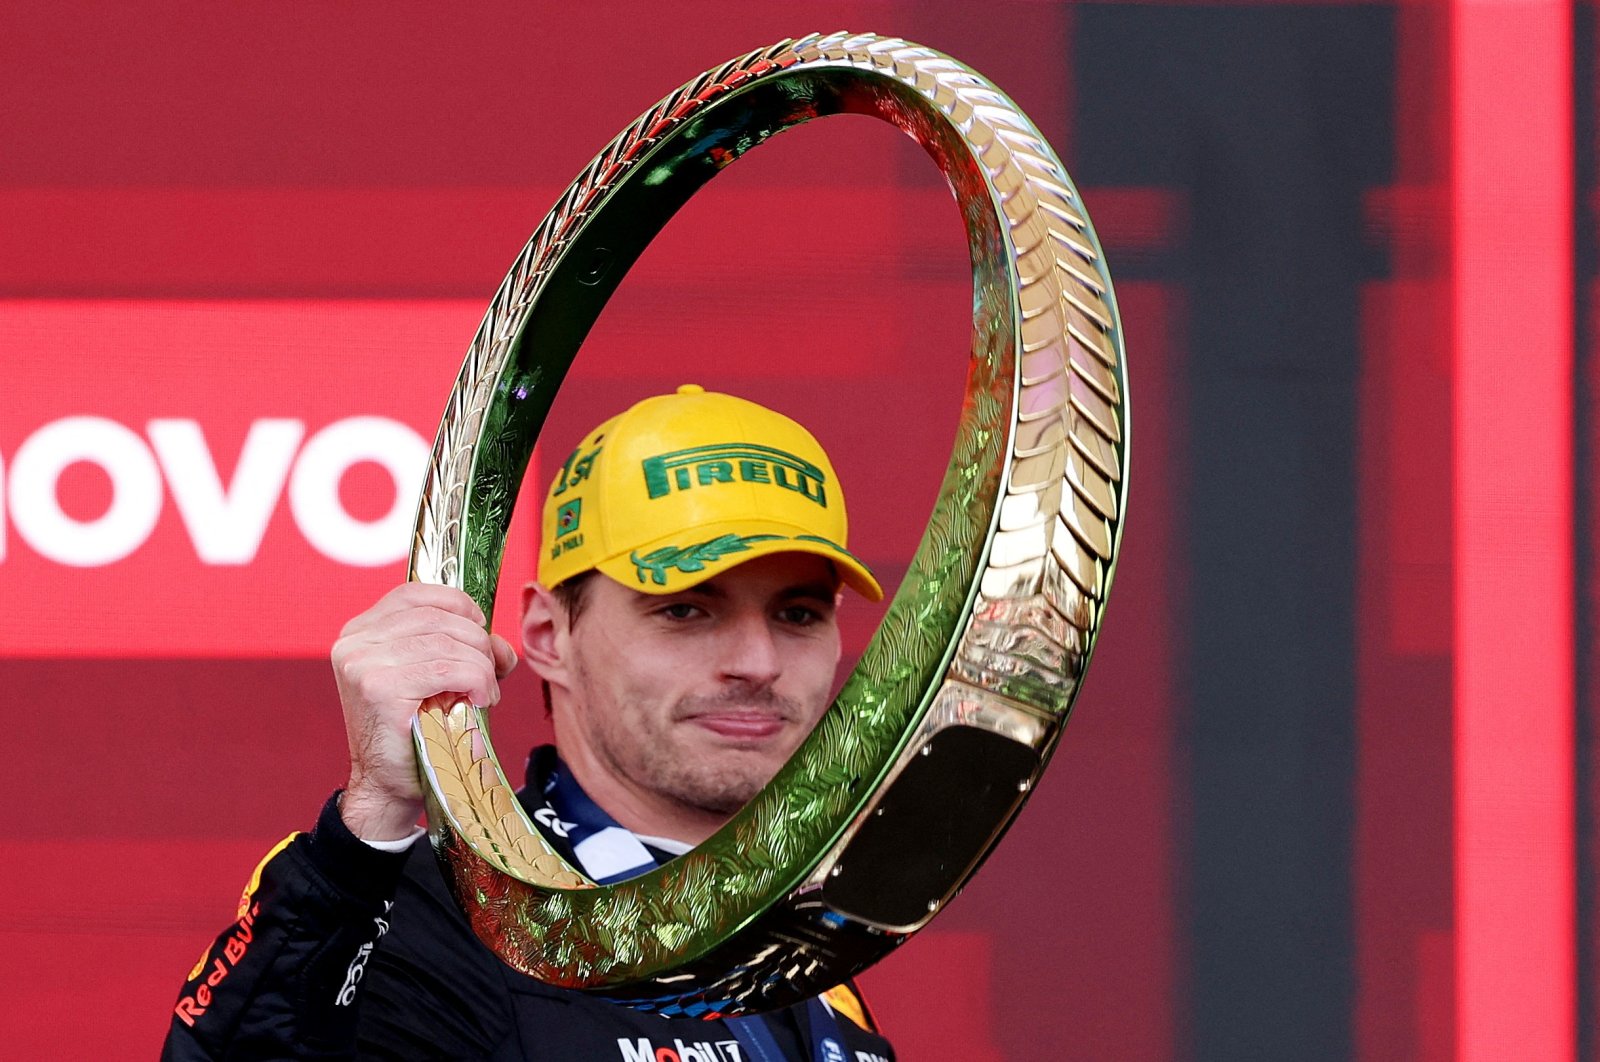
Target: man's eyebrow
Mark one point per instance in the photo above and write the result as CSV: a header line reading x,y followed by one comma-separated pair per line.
x,y
819,590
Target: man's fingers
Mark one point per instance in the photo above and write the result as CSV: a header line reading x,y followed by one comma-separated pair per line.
x,y
414,667
419,641
505,657
397,627
418,681
409,596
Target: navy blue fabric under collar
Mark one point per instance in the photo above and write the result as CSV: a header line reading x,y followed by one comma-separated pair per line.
x,y
608,853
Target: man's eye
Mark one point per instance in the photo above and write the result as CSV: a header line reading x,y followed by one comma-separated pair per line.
x,y
680,610
800,615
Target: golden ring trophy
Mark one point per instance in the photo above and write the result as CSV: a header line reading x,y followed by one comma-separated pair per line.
x,y
955,706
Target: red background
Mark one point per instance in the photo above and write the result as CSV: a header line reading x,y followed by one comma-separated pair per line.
x,y
1251,842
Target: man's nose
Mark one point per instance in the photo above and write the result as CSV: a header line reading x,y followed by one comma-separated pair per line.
x,y
751,652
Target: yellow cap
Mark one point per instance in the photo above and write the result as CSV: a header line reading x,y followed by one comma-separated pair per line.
x,y
680,487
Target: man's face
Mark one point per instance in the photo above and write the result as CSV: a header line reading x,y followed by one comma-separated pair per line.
x,y
694,700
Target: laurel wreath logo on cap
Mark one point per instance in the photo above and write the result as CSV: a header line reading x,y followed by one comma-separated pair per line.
x,y
863,836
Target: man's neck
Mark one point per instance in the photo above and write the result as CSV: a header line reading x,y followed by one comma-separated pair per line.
x,y
638,810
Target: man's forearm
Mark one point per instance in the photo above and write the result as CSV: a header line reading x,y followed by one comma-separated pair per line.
x,y
284,979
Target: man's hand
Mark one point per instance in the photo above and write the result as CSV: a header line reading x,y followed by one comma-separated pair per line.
x,y
418,641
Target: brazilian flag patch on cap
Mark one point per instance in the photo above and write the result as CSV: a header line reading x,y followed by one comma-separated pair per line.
x,y
567,516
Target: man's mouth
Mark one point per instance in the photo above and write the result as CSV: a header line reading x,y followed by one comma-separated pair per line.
x,y
740,725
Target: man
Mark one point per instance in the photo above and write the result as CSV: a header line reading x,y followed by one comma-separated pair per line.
x,y
684,627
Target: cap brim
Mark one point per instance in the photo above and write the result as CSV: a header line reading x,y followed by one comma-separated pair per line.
x,y
679,561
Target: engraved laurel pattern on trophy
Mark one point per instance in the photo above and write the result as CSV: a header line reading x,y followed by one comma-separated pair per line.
x,y
1042,592
1017,555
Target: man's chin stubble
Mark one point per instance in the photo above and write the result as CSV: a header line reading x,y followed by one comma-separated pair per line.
x,y
719,796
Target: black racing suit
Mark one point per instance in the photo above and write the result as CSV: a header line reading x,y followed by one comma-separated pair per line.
x,y
344,951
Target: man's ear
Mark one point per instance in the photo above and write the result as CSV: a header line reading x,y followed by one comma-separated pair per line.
x,y
544,629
